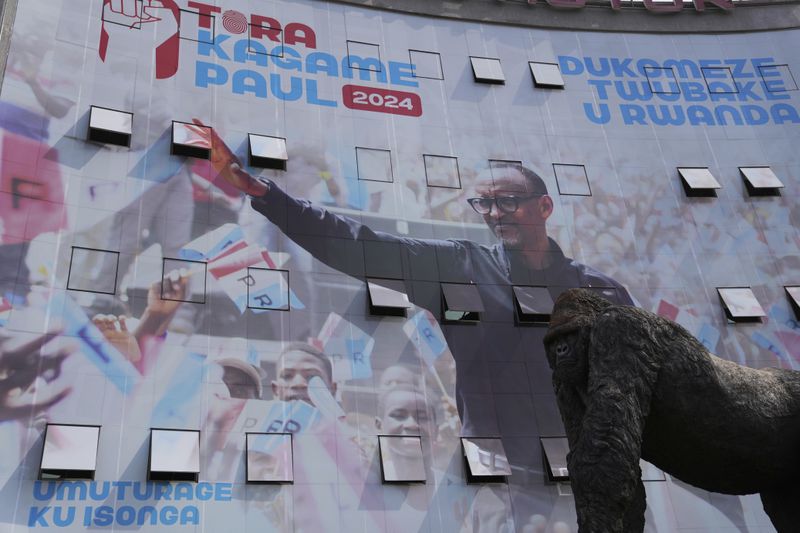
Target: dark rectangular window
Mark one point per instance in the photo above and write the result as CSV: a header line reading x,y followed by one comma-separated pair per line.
x,y
92,270
572,180
740,304
426,65
532,304
172,270
442,171
374,164
486,460
362,54
719,80
662,80
698,182
387,297
546,75
761,181
461,302
401,459
554,454
487,70
265,151
110,126
187,143
70,452
269,458
174,455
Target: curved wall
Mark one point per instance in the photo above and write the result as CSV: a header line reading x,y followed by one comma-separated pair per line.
x,y
388,137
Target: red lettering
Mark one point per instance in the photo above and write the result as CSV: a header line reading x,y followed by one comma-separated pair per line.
x,y
205,11
300,33
265,26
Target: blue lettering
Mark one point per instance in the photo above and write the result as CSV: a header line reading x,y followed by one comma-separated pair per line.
x,y
126,515
622,68
322,62
257,85
190,515
746,91
600,85
222,492
601,70
633,93
655,69
295,92
168,515
62,521
205,47
121,486
205,491
103,494
738,71
142,516
137,492
104,516
632,114
183,491
43,496
288,64
71,490
720,111
784,113
686,68
36,516
209,74
662,115
693,91
365,66
402,74
602,118
311,95
163,491
250,50
570,66
755,115
698,115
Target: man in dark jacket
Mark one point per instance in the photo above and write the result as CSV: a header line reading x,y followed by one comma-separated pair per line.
x,y
514,203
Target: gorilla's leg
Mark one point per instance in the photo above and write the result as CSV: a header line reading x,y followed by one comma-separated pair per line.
x,y
781,505
634,515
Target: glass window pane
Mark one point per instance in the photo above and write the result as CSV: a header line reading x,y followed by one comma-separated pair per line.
x,y
426,64
572,180
555,456
486,457
70,448
761,177
546,74
699,178
533,303
442,171
740,303
110,120
174,451
269,457
173,271
374,164
401,458
361,51
487,70
93,270
268,152
188,143
267,289
462,297
794,298
388,293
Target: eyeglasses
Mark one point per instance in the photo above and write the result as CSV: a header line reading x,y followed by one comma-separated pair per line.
x,y
506,204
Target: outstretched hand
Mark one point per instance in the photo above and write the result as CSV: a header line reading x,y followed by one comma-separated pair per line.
x,y
24,367
226,163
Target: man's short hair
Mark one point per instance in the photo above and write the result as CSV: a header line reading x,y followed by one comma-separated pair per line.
x,y
310,350
537,183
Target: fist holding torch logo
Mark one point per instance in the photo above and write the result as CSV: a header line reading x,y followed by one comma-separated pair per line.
x,y
129,15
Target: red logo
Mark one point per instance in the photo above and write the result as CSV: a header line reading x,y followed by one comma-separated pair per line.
x,y
122,16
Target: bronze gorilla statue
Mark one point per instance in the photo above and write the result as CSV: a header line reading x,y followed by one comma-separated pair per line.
x,y
631,384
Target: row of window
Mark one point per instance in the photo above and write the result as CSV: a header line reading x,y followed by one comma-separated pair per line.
x,y
269,289
372,164
70,452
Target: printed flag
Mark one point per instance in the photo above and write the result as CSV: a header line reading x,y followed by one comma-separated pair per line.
x,y
424,331
348,346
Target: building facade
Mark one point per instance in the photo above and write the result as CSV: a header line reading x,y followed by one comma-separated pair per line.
x,y
356,344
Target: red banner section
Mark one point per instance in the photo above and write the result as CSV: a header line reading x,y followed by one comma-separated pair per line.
x,y
381,100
